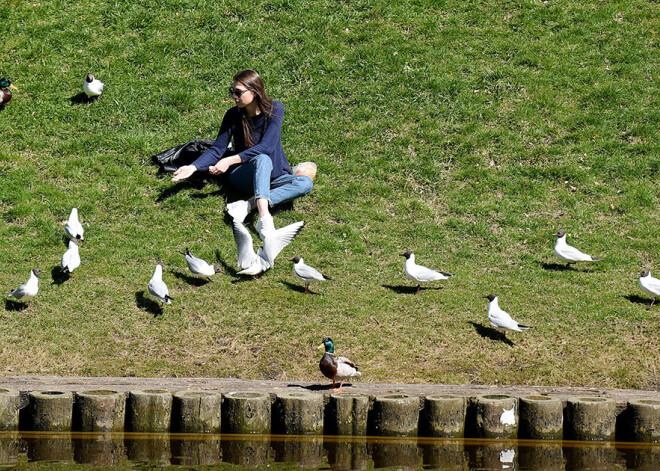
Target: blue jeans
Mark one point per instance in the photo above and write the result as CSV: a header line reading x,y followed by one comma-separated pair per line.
x,y
254,176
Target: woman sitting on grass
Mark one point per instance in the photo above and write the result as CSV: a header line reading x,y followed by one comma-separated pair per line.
x,y
257,165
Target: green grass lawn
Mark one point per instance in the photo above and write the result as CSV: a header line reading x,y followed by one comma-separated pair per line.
x,y
468,132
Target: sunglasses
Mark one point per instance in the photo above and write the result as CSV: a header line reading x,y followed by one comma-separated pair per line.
x,y
236,92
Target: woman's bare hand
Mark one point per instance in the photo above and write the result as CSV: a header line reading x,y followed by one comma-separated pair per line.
x,y
184,172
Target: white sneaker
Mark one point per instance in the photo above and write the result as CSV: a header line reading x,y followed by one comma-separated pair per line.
x,y
239,210
265,226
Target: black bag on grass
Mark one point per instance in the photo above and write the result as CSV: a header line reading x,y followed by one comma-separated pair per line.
x,y
184,154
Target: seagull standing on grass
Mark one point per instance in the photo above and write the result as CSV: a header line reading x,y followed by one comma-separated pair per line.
x,y
92,87
28,290
649,285
71,258
307,273
274,242
568,254
73,228
157,287
200,267
500,319
419,273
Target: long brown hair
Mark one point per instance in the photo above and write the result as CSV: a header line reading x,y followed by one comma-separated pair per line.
x,y
252,81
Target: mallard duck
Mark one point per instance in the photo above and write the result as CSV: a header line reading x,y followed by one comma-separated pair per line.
x,y
336,368
5,90
92,87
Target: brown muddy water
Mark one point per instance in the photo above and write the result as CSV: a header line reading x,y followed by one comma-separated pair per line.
x,y
35,450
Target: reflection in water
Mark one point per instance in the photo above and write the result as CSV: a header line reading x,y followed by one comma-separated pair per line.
x,y
306,451
148,448
101,449
347,454
246,450
196,450
25,451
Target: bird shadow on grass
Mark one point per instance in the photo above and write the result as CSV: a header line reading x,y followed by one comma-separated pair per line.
x,y
191,280
152,307
401,289
633,298
315,387
295,287
13,306
58,276
228,269
556,267
79,99
490,333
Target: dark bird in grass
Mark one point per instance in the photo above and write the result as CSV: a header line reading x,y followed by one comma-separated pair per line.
x,y
200,267
92,87
28,290
5,91
307,273
334,367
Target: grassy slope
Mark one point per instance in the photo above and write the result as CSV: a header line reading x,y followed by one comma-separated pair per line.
x,y
466,131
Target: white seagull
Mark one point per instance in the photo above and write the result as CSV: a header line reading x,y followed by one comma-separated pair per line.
x,y
307,273
28,290
649,285
254,263
500,319
420,273
92,87
200,267
71,258
73,228
569,254
157,287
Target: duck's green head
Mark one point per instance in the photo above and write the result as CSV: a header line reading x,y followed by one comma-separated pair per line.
x,y
5,83
328,345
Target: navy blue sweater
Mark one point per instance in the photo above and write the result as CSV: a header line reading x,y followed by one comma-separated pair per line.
x,y
266,134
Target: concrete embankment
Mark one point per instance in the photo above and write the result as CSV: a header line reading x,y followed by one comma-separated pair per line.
x,y
200,405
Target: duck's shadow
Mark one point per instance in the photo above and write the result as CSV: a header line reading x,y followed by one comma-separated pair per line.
x,y
401,289
191,280
152,307
490,333
295,287
13,306
58,276
316,387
